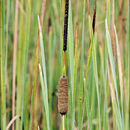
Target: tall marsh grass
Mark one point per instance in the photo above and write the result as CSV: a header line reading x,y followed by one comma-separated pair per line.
x,y
97,64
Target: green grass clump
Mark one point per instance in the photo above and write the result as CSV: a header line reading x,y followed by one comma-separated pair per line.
x,y
97,64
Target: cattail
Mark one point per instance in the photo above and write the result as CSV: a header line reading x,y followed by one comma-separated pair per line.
x,y
94,18
63,95
66,24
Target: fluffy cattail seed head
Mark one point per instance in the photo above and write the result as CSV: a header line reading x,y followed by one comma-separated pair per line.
x,y
63,95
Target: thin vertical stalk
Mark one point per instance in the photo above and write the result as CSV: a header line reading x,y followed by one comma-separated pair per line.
x,y
108,12
6,54
96,81
2,65
20,67
71,46
104,75
113,22
80,100
71,64
14,61
114,95
25,56
75,75
44,78
63,123
92,30
6,48
86,89
127,73
120,74
111,60
36,68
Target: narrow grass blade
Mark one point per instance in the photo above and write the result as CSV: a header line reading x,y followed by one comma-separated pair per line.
x,y
14,60
6,54
45,99
2,66
108,12
104,67
71,63
115,99
88,65
96,81
71,47
120,74
105,73
7,38
111,59
31,124
44,82
25,63
75,71
90,47
20,61
80,99
114,104
127,73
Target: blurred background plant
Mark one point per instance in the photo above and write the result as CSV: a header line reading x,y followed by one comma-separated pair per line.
x,y
31,64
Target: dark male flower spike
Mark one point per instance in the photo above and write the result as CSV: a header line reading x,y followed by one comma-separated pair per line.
x,y
66,24
94,18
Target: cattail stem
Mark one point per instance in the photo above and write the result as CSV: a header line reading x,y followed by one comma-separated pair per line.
x,y
63,122
64,68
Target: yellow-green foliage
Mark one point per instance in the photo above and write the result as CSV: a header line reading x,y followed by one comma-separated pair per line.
x,y
97,64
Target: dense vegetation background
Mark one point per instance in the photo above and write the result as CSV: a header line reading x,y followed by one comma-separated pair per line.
x,y
31,64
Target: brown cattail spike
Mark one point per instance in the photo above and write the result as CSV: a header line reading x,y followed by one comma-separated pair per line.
x,y
66,24
63,95
94,18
